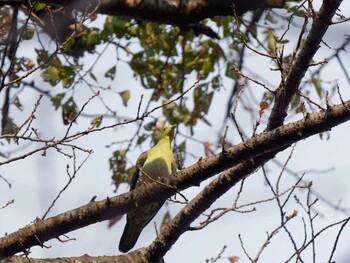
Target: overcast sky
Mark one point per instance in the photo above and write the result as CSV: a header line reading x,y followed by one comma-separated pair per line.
x,y
37,180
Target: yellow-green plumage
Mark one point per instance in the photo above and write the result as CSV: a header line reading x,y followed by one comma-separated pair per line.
x,y
157,162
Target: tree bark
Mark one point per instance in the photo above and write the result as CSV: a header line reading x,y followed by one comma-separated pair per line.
x,y
137,256
169,11
258,146
57,19
289,87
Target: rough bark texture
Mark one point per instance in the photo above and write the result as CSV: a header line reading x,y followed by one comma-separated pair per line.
x,y
202,202
287,90
58,18
170,11
265,144
138,256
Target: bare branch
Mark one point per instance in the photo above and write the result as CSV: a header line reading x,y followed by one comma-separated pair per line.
x,y
287,90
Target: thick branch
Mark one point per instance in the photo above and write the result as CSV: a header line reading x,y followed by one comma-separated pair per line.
x,y
287,90
57,19
132,257
265,143
170,11
202,202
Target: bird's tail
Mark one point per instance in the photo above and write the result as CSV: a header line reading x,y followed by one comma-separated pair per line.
x,y
130,235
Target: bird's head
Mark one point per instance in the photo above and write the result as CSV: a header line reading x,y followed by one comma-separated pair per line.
x,y
168,132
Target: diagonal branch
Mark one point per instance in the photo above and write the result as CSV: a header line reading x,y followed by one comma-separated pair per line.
x,y
202,202
263,146
287,90
214,190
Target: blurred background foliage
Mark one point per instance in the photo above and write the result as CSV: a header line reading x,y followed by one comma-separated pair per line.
x,y
165,59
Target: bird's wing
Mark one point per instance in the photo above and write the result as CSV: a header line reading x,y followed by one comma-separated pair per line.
x,y
139,163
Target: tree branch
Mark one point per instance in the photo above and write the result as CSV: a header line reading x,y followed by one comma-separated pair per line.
x,y
287,90
202,202
170,11
210,194
264,146
57,18
137,256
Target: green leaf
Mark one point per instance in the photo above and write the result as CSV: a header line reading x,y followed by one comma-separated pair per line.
x,y
149,126
207,65
138,64
317,83
67,75
229,72
51,75
253,29
296,11
111,73
125,95
271,38
40,6
28,33
56,72
166,220
92,75
10,128
141,139
120,25
295,102
68,45
216,82
96,122
42,55
57,100
108,25
94,38
69,111
117,163
177,114
202,100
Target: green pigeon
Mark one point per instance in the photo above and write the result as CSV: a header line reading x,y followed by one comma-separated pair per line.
x,y
157,162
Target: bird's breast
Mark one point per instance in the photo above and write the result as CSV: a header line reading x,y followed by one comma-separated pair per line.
x,y
158,164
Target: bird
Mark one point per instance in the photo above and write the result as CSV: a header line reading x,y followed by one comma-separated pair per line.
x,y
157,162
